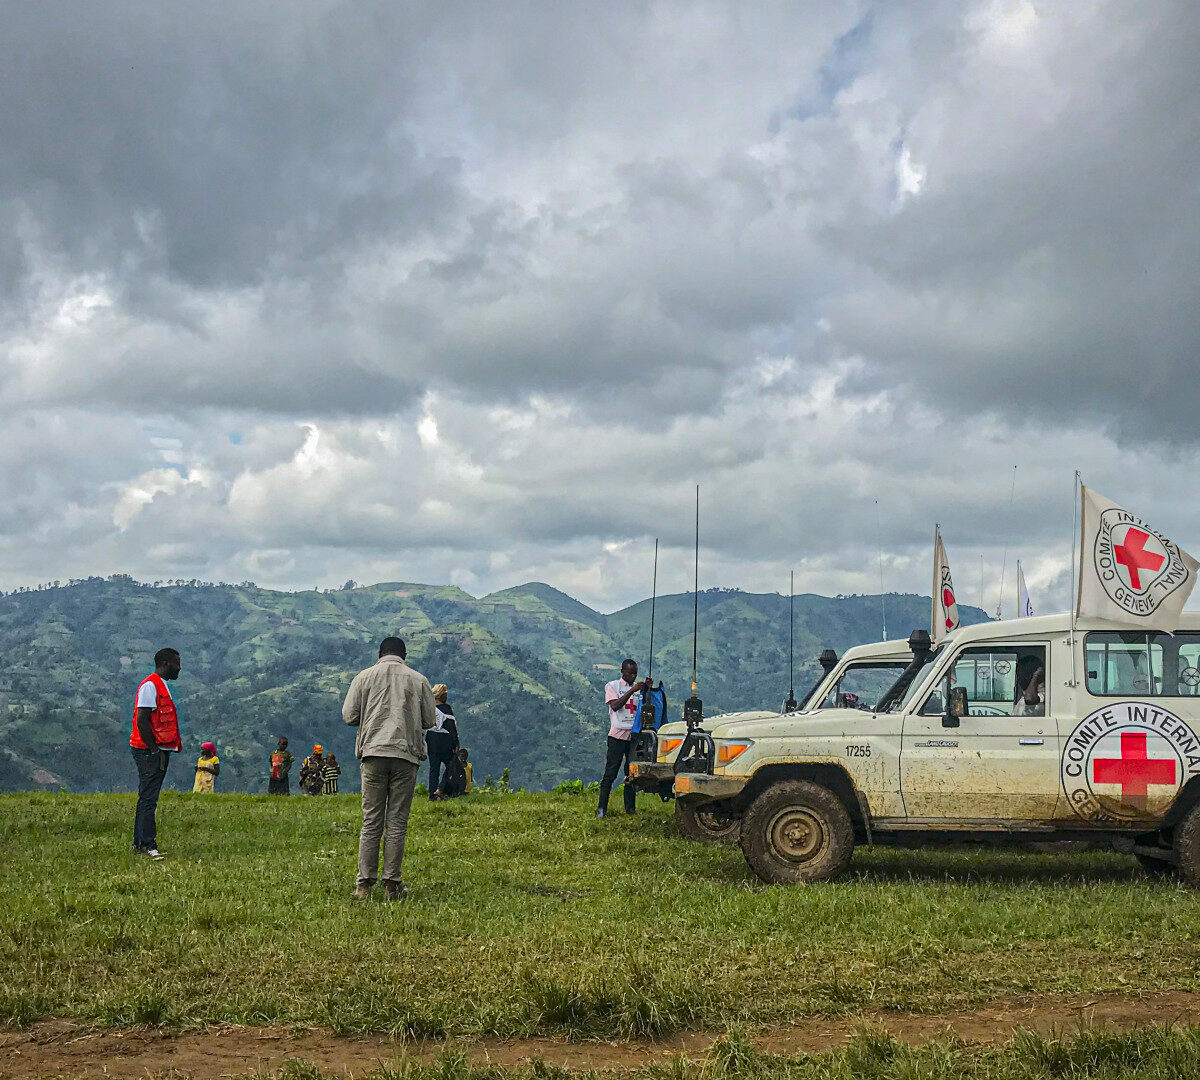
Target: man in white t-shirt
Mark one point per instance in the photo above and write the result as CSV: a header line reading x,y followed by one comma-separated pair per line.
x,y
621,709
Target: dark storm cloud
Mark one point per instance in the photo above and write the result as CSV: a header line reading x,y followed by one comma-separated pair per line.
x,y
217,144
312,292
1053,253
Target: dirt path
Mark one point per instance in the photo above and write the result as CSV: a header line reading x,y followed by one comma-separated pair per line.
x,y
64,1049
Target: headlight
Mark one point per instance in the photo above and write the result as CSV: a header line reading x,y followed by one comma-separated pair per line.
x,y
728,751
666,745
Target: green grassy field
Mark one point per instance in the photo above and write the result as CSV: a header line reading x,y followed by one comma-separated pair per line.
x,y
529,916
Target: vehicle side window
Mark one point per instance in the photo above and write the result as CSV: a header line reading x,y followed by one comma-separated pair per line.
x,y
1143,665
997,681
862,685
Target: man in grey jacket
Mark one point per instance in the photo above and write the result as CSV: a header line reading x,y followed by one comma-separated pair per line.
x,y
392,707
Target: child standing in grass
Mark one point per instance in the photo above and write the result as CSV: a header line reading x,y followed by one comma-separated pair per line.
x,y
281,763
331,772
208,768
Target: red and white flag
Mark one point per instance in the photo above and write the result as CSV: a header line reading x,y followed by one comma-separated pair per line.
x,y
1128,572
1024,604
944,617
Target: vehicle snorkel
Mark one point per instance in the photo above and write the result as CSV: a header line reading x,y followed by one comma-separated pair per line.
x,y
698,750
922,650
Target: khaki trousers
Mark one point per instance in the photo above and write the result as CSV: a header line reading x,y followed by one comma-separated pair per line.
x,y
387,791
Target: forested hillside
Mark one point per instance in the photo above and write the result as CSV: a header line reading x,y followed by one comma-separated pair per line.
x,y
526,667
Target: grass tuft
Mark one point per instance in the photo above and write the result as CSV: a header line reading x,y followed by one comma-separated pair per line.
x,y
632,1005
148,1008
352,1012
20,1008
733,1057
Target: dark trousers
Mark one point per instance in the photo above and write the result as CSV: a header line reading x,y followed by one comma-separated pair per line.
x,y
438,761
618,756
279,787
152,770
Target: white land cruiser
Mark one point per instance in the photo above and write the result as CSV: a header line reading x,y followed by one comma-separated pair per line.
x,y
959,745
857,681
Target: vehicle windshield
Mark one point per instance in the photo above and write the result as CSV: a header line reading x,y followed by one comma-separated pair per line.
x,y
861,685
918,679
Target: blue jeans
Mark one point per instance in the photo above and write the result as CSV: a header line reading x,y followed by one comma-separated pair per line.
x,y
152,771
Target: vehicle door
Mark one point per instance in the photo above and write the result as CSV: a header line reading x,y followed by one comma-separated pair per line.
x,y
987,764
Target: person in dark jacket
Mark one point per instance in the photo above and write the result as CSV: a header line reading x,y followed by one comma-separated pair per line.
x,y
441,740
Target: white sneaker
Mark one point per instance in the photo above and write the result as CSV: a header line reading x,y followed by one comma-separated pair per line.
x,y
154,853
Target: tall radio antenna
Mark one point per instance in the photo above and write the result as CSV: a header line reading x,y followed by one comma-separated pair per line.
x,y
789,706
696,593
653,598
879,544
693,708
647,717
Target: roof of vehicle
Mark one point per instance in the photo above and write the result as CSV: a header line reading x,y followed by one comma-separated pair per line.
x,y
1060,622
895,649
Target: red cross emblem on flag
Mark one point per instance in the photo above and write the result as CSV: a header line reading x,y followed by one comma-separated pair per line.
x,y
1134,770
1132,555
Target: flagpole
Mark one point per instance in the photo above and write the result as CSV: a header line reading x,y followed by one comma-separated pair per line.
x,y
1076,503
933,591
1004,563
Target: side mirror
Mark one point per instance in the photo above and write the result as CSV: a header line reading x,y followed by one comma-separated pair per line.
x,y
958,707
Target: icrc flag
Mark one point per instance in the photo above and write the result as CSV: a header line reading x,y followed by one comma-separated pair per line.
x,y
1024,604
944,617
1129,572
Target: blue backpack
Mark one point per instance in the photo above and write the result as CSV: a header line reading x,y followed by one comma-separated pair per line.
x,y
658,698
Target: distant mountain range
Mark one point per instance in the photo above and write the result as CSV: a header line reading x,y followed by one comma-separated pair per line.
x,y
525,667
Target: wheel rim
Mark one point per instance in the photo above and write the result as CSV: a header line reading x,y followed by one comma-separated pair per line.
x,y
797,834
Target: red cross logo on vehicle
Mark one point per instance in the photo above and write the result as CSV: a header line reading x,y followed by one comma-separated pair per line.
x,y
1132,555
1134,770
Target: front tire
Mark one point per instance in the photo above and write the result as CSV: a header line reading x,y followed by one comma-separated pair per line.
x,y
713,822
1187,847
797,831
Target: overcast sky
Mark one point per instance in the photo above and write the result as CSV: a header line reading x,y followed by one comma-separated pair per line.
x,y
476,293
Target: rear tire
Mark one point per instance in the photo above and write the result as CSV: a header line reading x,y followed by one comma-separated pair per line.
x,y
797,831
713,822
1187,847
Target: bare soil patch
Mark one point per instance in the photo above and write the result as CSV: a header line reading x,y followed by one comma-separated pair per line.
x,y
60,1048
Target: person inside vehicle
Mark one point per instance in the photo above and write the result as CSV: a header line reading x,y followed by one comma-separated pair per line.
x,y
1031,688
